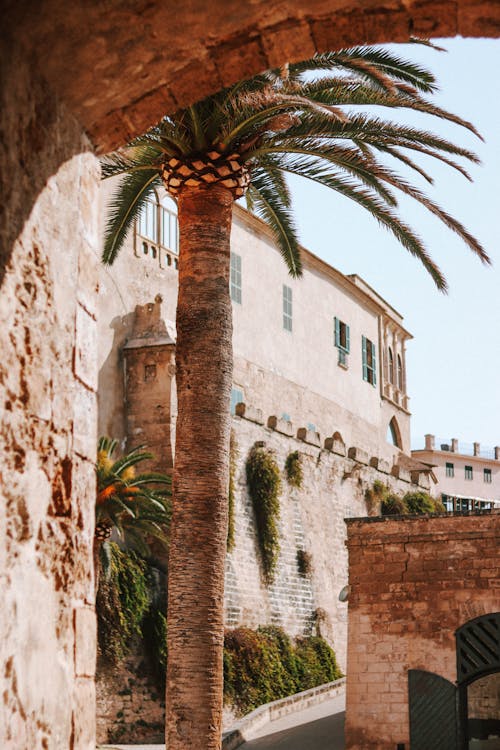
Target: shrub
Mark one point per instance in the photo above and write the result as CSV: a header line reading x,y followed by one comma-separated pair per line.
x,y
264,484
304,563
264,665
393,505
374,497
421,502
293,469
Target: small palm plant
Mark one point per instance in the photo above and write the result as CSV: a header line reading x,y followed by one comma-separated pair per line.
x,y
135,505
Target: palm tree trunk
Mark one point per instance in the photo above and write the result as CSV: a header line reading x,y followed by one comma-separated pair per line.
x,y
204,366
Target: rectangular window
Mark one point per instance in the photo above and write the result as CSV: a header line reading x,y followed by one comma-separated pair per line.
x,y
487,475
237,397
369,361
468,472
311,427
148,221
450,470
287,308
169,230
341,335
341,339
235,278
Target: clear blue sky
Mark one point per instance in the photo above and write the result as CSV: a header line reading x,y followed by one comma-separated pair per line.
x,y
453,362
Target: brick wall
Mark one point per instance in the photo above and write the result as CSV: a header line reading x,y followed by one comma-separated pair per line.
x,y
413,581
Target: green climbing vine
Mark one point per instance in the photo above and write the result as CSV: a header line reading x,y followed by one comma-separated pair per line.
x,y
122,602
264,484
293,469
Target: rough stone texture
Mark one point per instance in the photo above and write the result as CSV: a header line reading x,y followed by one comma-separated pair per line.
x,y
48,236
120,67
413,581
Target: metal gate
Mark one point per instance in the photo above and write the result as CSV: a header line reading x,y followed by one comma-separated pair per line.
x,y
433,712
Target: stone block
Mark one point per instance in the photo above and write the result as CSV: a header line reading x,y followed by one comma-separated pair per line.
x,y
402,474
84,422
283,426
421,478
88,280
83,718
380,464
335,446
358,455
85,358
249,412
84,624
309,436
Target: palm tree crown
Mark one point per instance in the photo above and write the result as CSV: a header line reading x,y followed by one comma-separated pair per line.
x,y
297,120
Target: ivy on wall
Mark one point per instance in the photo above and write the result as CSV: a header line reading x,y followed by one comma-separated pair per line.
x,y
293,469
122,601
304,563
264,484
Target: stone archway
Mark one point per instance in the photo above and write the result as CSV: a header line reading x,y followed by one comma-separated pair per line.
x,y
76,80
118,67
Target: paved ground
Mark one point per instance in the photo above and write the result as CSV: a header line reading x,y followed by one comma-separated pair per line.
x,y
318,728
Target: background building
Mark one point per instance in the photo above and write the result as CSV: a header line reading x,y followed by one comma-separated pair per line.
x,y
468,476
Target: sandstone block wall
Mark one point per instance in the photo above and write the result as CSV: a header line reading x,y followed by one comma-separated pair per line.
x,y
48,378
413,581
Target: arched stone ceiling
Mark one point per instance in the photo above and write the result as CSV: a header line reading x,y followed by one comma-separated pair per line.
x,y
120,64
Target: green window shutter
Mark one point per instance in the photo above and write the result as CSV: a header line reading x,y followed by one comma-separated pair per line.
x,y
374,363
365,363
347,340
336,323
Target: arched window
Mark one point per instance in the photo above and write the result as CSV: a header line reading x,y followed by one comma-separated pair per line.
x,y
393,434
158,223
400,373
391,366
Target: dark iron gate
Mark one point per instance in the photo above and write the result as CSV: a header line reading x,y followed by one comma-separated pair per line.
x,y
478,655
433,712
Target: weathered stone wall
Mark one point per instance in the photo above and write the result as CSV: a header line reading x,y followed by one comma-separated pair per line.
x,y
48,379
414,581
311,519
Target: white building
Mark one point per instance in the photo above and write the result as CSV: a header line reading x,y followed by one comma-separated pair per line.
x,y
324,351
468,476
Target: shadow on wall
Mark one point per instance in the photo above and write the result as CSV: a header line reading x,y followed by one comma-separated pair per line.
x,y
37,136
111,386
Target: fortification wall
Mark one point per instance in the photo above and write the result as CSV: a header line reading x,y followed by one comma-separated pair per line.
x,y
335,479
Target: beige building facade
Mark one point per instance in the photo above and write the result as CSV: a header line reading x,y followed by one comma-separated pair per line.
x,y
467,476
324,350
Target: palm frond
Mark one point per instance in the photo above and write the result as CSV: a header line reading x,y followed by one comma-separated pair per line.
x,y
361,59
271,202
374,205
125,207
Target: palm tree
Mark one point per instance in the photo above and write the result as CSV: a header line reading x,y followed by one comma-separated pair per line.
x,y
135,506
244,140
